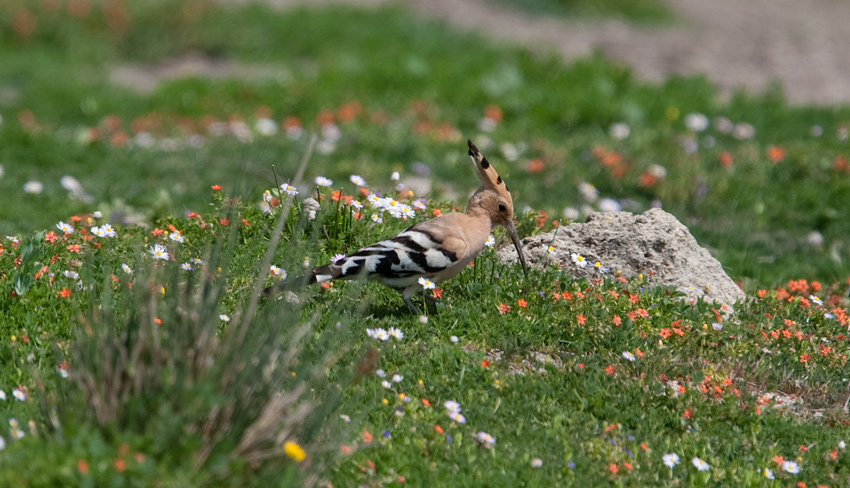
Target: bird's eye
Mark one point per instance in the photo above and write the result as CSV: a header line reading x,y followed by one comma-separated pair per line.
x,y
502,208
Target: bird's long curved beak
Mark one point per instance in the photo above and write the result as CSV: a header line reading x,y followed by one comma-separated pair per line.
x,y
515,238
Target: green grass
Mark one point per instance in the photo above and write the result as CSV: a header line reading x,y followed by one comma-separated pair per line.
x,y
413,104
639,11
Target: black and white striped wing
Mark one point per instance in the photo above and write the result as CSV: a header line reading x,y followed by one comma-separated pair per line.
x,y
394,262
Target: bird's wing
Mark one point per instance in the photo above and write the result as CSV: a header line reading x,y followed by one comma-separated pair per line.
x,y
417,251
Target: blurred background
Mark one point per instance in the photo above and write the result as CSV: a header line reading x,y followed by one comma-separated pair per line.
x,y
730,115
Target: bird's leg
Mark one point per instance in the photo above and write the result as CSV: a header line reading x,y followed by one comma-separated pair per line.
x,y
406,296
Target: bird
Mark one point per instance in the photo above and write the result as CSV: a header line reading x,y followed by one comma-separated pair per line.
x,y
436,249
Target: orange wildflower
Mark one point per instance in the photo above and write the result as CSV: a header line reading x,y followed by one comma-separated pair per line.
x,y
216,187
775,154
82,466
64,293
366,436
610,369
493,112
522,303
534,166
725,159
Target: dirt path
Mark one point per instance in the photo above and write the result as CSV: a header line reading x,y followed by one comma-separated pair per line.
x,y
804,44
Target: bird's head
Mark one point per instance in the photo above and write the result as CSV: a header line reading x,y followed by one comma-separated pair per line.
x,y
494,199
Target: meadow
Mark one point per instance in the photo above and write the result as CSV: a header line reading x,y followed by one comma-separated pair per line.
x,y
139,227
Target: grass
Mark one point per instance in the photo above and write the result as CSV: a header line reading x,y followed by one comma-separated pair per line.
x,y
548,379
639,11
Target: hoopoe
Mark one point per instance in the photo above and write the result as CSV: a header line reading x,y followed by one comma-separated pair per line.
x,y
436,249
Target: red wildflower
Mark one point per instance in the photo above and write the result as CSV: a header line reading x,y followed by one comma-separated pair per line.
x,y
216,187
485,363
223,221
617,320
610,369
804,358
504,308
581,319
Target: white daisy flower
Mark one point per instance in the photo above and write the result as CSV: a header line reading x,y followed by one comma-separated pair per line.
x,y
426,283
322,181
357,180
579,260
484,440
289,189
670,460
159,252
65,228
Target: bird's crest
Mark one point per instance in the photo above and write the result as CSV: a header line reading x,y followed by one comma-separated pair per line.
x,y
488,176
